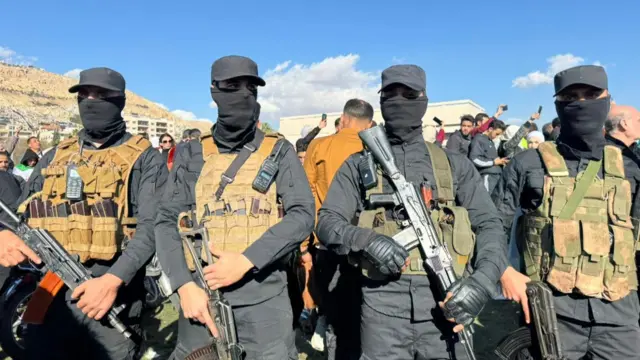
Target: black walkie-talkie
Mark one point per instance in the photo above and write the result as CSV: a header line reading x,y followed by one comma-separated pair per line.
x,y
267,173
367,170
74,181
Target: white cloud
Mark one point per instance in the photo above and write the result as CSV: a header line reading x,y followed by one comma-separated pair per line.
x,y
320,87
187,115
162,106
74,74
9,56
213,105
397,60
556,64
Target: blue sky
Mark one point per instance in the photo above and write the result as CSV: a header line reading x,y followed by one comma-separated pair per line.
x,y
329,51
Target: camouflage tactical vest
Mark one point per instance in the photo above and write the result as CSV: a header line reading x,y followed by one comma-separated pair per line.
x,y
452,222
243,214
593,252
106,175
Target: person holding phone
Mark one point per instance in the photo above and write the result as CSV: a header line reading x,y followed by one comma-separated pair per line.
x,y
484,154
483,121
307,136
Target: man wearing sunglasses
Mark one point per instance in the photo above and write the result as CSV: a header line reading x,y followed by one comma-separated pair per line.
x,y
254,199
116,176
400,316
577,230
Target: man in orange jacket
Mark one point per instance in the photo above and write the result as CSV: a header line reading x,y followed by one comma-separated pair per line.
x,y
323,159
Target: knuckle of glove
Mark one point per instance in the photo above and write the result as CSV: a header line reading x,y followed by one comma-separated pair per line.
x,y
468,300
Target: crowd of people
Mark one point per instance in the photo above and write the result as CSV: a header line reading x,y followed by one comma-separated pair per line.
x,y
297,240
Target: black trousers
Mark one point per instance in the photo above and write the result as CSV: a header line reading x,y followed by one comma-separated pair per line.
x,y
337,286
67,333
585,340
264,330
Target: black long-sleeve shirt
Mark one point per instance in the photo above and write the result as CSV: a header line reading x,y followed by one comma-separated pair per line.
x,y
303,143
411,295
459,144
482,153
10,190
268,279
147,178
521,185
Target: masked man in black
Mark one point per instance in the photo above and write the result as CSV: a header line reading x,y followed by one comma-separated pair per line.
x,y
400,318
252,227
577,232
114,206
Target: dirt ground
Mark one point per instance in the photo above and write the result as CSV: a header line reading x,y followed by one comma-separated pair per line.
x,y
497,320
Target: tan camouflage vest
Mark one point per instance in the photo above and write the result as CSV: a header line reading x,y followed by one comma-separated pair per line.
x,y
106,176
574,255
248,214
453,225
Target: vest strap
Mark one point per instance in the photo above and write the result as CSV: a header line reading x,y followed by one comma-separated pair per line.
x,y
229,175
442,173
553,161
580,190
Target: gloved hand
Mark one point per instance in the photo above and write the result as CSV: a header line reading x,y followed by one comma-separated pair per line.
x,y
386,255
467,299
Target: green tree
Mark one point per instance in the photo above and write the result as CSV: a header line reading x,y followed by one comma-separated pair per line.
x,y
75,118
56,138
75,132
267,128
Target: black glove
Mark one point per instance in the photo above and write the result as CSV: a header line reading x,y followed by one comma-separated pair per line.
x,y
386,255
469,297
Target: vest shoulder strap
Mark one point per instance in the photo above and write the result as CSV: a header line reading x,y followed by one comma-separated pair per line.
x,y
64,144
268,144
613,163
138,143
442,173
553,161
208,147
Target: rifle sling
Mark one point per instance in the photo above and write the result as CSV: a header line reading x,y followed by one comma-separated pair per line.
x,y
229,175
580,190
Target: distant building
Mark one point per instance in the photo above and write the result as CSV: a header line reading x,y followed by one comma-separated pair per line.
x,y
448,111
152,127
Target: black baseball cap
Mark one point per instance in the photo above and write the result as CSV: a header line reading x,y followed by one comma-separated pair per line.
x,y
234,66
100,77
591,75
412,76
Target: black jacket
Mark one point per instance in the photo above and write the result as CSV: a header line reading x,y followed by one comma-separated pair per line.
x,y
268,279
411,294
147,179
482,153
521,185
459,143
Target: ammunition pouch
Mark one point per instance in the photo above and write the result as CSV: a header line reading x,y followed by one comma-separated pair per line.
x,y
587,247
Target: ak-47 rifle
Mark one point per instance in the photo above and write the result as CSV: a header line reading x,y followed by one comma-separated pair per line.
x,y
546,329
57,260
419,229
225,346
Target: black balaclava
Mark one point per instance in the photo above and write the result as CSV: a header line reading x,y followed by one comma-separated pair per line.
x,y
238,113
102,118
403,117
581,123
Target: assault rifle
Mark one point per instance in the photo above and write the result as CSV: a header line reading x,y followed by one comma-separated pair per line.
x,y
546,329
57,260
225,346
420,230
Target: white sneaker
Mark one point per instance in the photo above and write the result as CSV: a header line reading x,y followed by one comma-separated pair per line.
x,y
317,340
